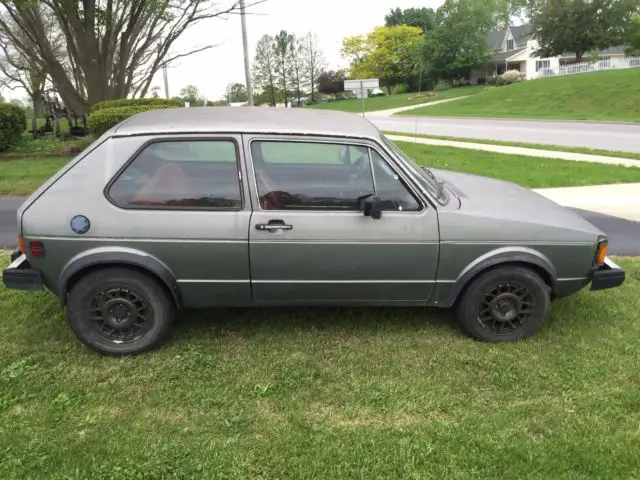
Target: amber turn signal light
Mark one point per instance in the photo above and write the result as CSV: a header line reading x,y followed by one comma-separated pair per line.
x,y
601,253
21,245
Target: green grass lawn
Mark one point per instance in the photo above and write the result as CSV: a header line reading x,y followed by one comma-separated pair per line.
x,y
393,101
537,146
21,177
531,172
607,96
326,393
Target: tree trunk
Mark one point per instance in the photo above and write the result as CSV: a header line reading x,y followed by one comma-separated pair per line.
x,y
313,87
36,101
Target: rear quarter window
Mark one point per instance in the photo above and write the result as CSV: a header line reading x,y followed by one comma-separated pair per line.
x,y
192,174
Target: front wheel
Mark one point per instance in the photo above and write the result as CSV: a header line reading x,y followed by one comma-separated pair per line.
x,y
119,311
505,303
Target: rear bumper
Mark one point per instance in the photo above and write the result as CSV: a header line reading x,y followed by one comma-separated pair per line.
x,y
609,275
20,276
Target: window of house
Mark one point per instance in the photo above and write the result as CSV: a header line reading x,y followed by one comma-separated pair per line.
x,y
181,174
324,176
510,44
542,64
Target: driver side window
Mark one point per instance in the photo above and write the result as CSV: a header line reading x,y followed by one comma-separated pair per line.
x,y
306,175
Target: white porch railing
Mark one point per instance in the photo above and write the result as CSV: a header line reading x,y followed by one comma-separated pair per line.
x,y
584,67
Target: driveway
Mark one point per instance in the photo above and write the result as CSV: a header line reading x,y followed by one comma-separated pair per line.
x,y
624,235
605,136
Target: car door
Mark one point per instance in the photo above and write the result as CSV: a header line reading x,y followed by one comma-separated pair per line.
x,y
309,242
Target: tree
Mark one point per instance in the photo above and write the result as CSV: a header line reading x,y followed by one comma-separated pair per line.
x,y
113,48
190,94
313,62
264,67
284,64
391,54
236,92
423,18
586,25
297,67
458,42
331,83
633,36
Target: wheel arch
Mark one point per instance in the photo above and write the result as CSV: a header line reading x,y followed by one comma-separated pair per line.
x,y
105,257
523,257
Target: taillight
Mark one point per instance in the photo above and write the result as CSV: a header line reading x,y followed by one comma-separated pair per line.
x,y
21,246
37,249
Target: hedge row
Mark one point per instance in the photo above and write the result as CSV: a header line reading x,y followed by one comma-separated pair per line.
x,y
103,120
136,102
13,121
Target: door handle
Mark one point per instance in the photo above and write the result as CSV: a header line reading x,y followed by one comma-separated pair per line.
x,y
273,225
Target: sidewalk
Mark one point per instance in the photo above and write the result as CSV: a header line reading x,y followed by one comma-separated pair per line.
x,y
620,200
531,152
392,111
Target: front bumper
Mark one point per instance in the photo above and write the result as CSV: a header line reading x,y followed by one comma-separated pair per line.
x,y
20,276
609,275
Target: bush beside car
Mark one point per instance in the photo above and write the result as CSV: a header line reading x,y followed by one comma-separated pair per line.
x,y
106,118
13,121
136,102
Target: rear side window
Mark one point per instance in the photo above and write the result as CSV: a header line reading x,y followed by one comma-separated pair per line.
x,y
181,174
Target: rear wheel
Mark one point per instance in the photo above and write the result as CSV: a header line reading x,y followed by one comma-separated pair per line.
x,y
505,303
119,311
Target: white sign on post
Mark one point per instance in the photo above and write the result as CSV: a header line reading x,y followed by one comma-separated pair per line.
x,y
361,87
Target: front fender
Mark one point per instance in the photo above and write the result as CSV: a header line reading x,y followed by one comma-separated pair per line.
x,y
500,256
120,256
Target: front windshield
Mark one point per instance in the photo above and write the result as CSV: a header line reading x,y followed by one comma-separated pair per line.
x,y
425,180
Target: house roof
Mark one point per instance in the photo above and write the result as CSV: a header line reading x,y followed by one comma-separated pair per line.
x,y
502,56
521,34
247,120
495,39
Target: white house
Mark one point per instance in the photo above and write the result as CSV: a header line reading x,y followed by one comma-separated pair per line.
x,y
513,49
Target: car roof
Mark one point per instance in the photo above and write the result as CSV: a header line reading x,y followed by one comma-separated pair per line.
x,y
247,120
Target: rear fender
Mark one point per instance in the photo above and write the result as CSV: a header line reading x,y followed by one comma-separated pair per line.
x,y
118,256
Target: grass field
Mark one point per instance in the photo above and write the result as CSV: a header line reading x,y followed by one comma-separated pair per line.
x,y
393,101
21,177
606,96
537,146
326,393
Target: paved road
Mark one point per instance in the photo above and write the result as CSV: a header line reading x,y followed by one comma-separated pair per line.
x,y
605,136
624,235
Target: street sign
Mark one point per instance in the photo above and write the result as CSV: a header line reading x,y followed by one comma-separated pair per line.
x,y
366,83
362,85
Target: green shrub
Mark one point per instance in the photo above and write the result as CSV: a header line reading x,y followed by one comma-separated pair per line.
x,y
106,118
400,88
137,102
13,121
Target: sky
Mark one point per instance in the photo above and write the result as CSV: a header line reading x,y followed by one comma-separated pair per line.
x,y
330,20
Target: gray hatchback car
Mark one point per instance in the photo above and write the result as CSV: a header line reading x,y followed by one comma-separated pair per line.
x,y
209,207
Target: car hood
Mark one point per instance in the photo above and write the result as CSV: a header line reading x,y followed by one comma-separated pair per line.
x,y
519,213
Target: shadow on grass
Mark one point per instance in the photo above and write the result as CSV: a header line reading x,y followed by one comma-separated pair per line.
x,y
193,324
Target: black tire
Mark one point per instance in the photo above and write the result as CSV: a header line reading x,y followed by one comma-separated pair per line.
x,y
504,304
120,311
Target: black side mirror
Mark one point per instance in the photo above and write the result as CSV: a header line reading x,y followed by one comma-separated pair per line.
x,y
372,206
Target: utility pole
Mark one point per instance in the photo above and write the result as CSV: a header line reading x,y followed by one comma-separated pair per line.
x,y
245,47
166,81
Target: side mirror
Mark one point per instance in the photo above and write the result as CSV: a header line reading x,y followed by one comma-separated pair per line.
x,y
372,206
